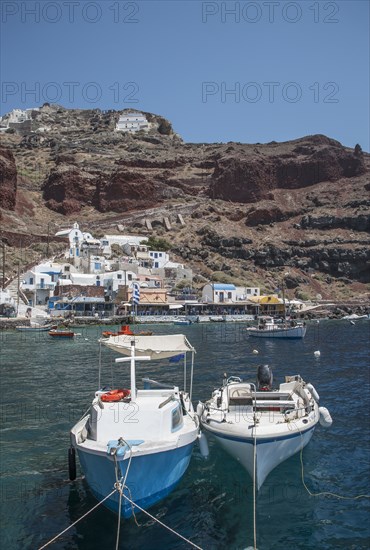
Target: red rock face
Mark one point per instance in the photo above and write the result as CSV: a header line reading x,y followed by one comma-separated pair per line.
x,y
8,179
250,177
123,191
67,191
150,171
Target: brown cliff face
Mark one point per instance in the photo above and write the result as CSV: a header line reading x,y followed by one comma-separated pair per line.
x,y
124,190
8,179
250,175
66,190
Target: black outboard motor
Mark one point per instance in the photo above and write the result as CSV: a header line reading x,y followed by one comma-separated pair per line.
x,y
264,378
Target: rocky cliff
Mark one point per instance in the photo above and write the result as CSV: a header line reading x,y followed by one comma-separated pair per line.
x,y
8,179
252,210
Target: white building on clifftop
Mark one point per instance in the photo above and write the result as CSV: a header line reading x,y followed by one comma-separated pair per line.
x,y
132,122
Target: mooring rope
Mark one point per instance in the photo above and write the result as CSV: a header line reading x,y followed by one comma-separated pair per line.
x,y
75,522
322,493
161,523
254,488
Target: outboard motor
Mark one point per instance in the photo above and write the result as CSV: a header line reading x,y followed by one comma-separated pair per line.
x,y
264,378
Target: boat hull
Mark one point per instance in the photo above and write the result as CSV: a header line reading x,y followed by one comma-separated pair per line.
x,y
61,334
33,329
291,332
151,477
270,451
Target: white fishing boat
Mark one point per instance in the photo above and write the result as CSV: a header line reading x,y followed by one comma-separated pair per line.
x,y
269,328
141,438
181,321
35,327
259,426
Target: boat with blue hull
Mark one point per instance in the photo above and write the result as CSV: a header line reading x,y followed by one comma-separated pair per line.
x,y
140,438
259,426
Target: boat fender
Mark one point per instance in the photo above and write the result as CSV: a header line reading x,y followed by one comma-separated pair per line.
x,y
325,418
200,409
313,392
115,395
203,445
72,463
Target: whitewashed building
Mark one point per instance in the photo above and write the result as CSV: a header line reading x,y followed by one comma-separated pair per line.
x,y
39,283
243,293
115,279
159,258
132,122
218,293
108,240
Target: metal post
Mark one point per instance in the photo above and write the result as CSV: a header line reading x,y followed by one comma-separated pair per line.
x,y
18,289
132,372
3,283
47,242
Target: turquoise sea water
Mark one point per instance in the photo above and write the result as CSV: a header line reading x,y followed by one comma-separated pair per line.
x,y
46,385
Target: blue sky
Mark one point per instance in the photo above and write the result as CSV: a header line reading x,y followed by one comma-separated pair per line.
x,y
252,71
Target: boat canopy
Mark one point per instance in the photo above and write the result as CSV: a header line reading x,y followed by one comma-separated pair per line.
x,y
157,347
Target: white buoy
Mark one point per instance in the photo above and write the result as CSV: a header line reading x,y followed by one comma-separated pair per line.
x,y
255,352
352,322
325,419
317,353
203,445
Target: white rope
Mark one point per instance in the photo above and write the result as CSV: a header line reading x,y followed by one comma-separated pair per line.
x,y
323,493
119,484
254,476
254,489
161,523
82,517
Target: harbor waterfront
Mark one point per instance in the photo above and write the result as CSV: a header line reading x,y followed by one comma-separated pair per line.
x,y
47,385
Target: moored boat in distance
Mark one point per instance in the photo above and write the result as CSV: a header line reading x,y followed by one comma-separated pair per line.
x,y
125,330
149,449
35,328
259,426
184,321
269,328
58,333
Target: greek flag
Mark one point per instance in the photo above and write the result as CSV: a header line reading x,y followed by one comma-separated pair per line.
x,y
136,293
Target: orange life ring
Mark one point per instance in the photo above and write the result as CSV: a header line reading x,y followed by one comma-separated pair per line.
x,y
115,395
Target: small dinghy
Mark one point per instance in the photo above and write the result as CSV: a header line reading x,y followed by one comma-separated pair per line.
x,y
58,333
259,426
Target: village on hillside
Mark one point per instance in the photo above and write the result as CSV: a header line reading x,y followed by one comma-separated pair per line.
x,y
121,275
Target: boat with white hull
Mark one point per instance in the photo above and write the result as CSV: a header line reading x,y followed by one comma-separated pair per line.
x,y
269,328
261,427
142,438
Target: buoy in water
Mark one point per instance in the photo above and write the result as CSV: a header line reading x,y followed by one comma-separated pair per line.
x,y
317,353
325,418
255,352
352,322
203,445
72,463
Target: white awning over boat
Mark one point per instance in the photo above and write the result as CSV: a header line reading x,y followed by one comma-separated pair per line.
x,y
157,347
